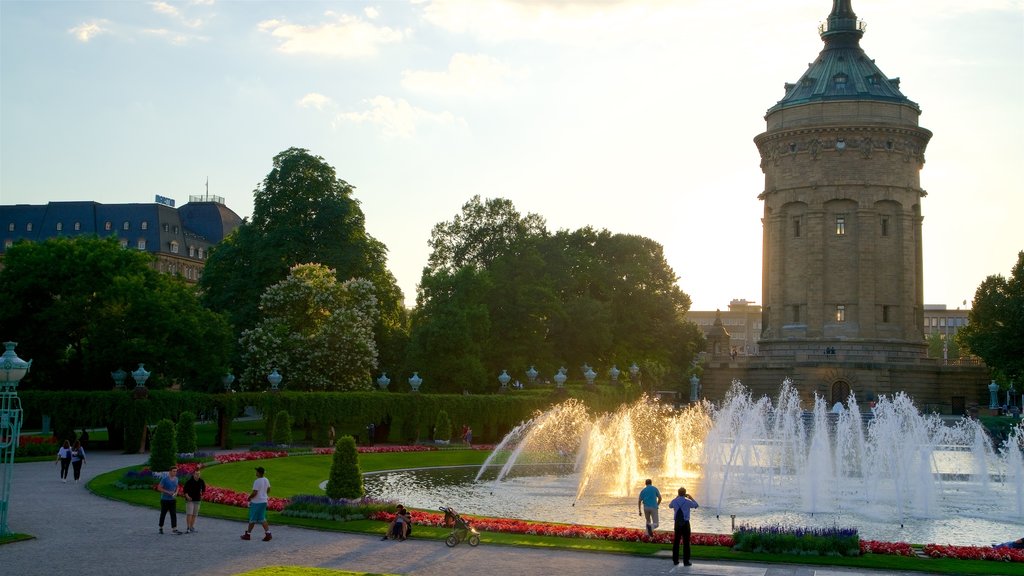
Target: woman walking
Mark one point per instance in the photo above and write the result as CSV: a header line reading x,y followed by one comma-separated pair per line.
x,y
77,459
64,457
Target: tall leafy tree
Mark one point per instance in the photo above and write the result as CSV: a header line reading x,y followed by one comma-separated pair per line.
x,y
317,332
82,307
500,292
303,213
995,331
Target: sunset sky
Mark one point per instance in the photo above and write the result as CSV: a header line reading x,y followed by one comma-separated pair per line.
x,y
635,116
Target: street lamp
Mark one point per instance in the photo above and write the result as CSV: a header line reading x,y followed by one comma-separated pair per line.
x,y
119,376
275,380
12,370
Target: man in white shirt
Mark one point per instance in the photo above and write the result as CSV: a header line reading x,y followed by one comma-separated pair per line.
x,y
258,499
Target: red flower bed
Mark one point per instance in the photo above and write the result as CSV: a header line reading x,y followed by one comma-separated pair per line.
x,y
240,499
890,548
974,553
26,440
408,448
511,526
242,456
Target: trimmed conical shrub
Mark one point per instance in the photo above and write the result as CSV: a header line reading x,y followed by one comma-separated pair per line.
x,y
346,480
443,427
163,449
185,433
283,428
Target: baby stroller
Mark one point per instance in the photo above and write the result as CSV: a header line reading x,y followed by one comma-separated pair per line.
x,y
461,530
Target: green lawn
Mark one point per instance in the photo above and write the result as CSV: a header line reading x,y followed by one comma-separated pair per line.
x,y
303,474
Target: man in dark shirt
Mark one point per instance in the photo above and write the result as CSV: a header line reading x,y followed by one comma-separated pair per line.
x,y
194,489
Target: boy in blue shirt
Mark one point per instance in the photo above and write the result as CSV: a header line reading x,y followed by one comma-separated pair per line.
x,y
650,498
168,488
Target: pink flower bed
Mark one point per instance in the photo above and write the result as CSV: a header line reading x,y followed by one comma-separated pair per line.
x,y
243,456
974,553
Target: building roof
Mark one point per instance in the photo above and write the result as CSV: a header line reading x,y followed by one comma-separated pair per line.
x,y
842,70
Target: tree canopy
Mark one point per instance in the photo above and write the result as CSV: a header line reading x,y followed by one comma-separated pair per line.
x,y
302,213
317,332
81,307
501,292
995,331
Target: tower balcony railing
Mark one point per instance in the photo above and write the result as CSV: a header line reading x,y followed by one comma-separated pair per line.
x,y
842,24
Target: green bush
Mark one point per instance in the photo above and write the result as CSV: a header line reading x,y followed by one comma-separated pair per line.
x,y
443,426
282,433
346,480
163,450
185,432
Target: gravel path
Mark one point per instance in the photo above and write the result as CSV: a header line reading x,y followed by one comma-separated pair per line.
x,y
82,534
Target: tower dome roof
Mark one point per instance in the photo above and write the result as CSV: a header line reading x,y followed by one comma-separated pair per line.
x,y
842,71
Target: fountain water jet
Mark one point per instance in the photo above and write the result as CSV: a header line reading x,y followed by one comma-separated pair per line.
x,y
753,457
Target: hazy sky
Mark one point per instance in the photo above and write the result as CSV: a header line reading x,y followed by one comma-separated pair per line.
x,y
633,116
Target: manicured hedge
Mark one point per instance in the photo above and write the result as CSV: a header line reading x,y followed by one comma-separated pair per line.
x,y
399,417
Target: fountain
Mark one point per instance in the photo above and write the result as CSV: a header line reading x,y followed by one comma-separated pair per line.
x,y
890,471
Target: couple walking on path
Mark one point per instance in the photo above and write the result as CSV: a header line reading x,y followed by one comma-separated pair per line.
x,y
650,499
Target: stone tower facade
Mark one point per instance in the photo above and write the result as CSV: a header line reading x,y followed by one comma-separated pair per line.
x,y
843,295
842,207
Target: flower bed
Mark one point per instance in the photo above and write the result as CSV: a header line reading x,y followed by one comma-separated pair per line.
x,y
888,548
29,446
327,508
240,499
511,526
779,539
243,456
974,553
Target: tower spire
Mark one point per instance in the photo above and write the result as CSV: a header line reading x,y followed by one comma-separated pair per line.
x,y
842,25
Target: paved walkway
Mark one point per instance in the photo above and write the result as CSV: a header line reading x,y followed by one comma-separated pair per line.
x,y
82,534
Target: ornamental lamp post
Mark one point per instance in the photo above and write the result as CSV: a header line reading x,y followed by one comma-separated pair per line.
x,y
12,370
275,380
119,375
415,381
383,381
503,379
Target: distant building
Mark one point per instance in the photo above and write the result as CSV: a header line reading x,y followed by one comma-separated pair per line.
x,y
742,321
946,323
180,238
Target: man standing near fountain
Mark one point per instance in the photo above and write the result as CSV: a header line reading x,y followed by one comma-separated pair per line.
x,y
682,505
650,499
